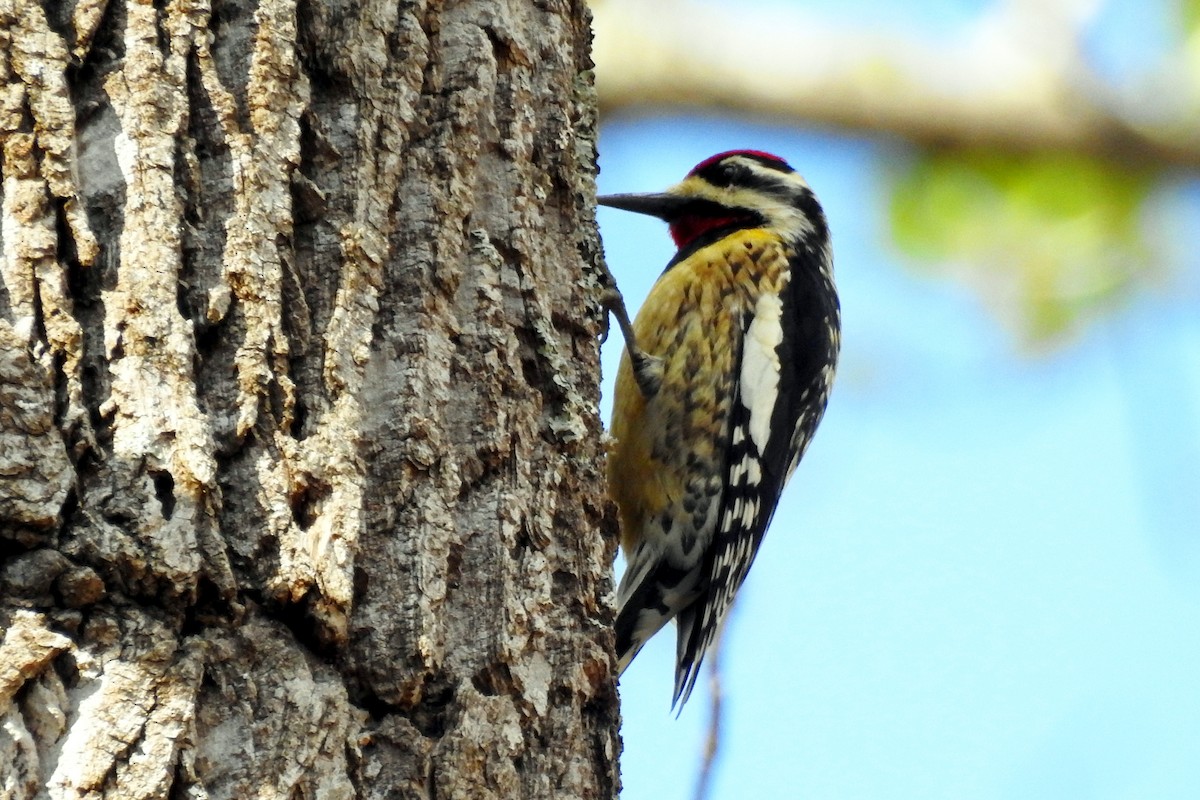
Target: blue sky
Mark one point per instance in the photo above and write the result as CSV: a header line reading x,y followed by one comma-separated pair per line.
x,y
984,579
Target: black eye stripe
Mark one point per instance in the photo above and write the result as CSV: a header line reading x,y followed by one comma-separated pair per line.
x,y
726,174
766,184
730,171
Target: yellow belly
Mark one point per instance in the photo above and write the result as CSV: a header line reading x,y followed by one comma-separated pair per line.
x,y
668,452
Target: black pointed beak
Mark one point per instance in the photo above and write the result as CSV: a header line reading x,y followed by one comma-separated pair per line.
x,y
663,206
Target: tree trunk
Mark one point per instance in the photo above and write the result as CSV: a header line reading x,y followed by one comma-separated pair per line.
x,y
300,466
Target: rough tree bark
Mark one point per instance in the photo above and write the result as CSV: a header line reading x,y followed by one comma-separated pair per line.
x,y
300,485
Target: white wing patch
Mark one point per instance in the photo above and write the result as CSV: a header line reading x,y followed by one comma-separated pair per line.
x,y
760,366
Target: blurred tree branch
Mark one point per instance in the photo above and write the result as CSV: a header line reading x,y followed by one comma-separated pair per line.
x,y
1016,80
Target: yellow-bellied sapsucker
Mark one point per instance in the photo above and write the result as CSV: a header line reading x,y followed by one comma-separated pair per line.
x,y
727,372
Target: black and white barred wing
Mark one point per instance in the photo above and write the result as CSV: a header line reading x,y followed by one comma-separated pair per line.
x,y
780,395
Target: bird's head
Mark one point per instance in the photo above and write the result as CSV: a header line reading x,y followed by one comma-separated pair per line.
x,y
730,191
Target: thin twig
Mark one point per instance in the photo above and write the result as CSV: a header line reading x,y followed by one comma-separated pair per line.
x,y
712,742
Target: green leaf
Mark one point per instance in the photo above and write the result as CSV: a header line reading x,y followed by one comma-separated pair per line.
x,y
1050,240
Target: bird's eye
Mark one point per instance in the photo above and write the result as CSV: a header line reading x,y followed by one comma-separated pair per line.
x,y
733,172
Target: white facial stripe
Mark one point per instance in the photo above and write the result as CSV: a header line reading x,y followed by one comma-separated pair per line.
x,y
760,367
774,174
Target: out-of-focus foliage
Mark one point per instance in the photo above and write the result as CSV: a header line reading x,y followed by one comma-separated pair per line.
x,y
1191,16
1048,239
1052,239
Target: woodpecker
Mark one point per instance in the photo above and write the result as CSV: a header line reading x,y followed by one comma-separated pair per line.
x,y
726,372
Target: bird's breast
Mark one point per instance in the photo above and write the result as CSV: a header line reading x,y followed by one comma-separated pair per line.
x,y
669,450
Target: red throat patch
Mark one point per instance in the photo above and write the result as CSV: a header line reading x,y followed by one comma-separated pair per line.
x,y
686,230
